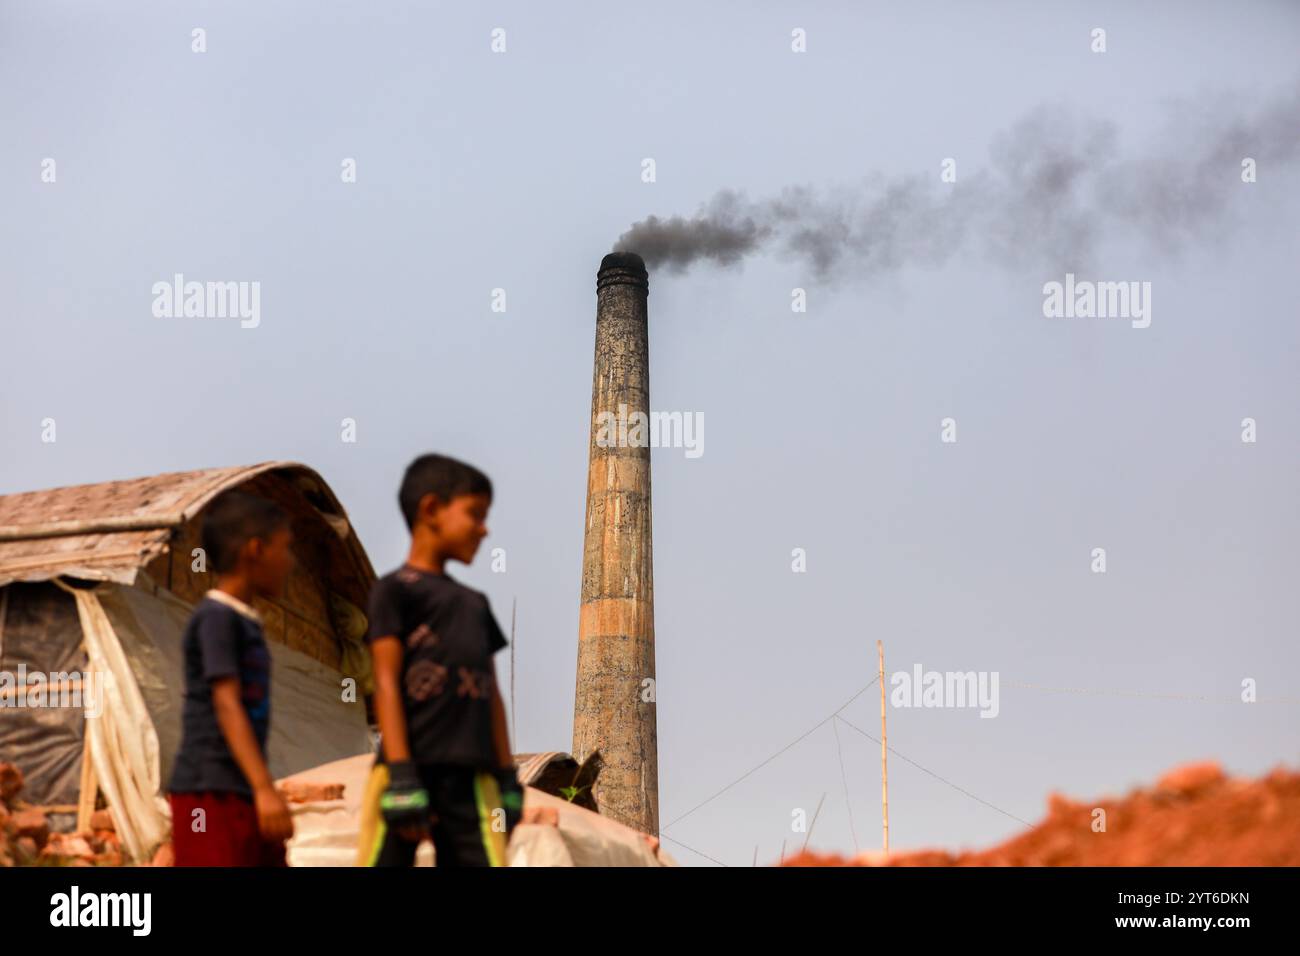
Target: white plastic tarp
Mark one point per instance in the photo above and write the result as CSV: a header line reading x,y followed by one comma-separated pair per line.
x,y
326,832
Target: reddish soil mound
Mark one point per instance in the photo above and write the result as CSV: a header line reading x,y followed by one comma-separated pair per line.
x,y
1194,816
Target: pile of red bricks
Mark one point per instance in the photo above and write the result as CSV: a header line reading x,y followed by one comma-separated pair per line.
x,y
1195,815
26,839
295,791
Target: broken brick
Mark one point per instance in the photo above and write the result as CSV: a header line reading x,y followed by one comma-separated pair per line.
x,y
11,781
64,845
295,791
1191,778
33,825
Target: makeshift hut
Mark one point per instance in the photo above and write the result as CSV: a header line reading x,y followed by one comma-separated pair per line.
x,y
96,584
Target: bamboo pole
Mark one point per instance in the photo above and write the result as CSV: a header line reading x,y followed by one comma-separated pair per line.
x,y
816,813
884,750
64,529
89,787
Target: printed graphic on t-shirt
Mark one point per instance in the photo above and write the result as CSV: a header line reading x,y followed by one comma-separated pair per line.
x,y
424,679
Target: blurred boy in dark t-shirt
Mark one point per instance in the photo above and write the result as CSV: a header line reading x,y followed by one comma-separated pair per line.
x,y
225,809
444,768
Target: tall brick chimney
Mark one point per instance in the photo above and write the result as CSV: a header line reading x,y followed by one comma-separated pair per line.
x,y
616,631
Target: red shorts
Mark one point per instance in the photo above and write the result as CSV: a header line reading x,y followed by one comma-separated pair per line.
x,y
224,834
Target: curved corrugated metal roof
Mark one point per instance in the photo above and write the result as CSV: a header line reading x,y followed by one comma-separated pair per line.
x,y
109,530
531,766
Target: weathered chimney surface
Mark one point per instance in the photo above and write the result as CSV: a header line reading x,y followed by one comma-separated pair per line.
x,y
614,710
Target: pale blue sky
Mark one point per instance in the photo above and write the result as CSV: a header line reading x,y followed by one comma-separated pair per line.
x,y
478,171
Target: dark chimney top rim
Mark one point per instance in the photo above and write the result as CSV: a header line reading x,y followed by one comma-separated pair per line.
x,y
628,261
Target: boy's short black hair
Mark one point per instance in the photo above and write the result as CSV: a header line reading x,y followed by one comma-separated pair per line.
x,y
234,518
441,476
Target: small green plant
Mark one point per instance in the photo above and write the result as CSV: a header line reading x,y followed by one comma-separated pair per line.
x,y
571,793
